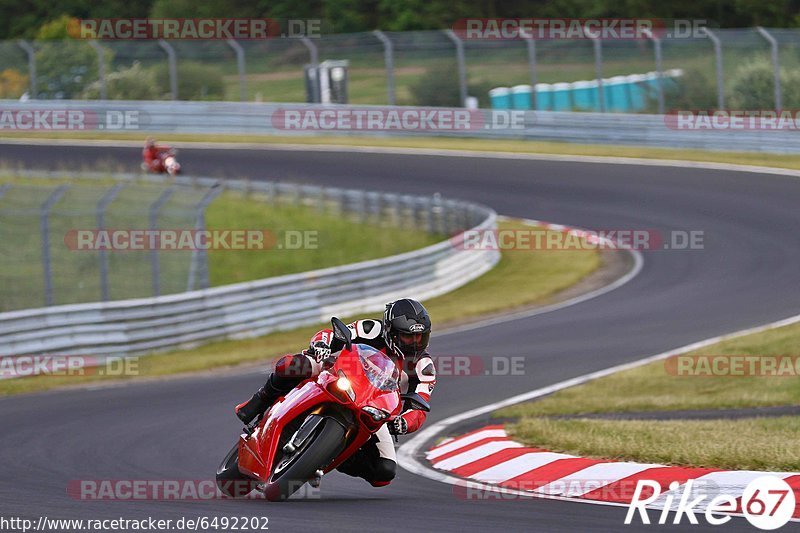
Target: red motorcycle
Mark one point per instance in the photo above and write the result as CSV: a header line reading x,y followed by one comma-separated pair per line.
x,y
318,425
167,160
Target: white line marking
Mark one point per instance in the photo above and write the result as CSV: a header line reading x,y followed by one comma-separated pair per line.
x,y
470,456
592,478
518,466
465,441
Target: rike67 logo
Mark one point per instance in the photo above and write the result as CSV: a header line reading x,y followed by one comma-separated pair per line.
x,y
768,502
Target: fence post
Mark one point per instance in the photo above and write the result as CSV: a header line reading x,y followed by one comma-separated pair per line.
x,y
462,65
718,55
388,59
101,68
531,44
44,226
198,268
100,215
776,65
314,54
659,70
173,67
240,64
25,45
152,216
598,68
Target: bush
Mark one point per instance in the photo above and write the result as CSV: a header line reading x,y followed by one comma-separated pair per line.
x,y
694,90
12,83
437,87
752,87
196,81
134,83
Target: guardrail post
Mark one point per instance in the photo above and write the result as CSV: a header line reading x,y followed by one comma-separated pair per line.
x,y
100,215
718,58
776,65
173,67
198,268
659,70
314,54
598,68
152,216
531,45
462,65
240,65
25,45
101,68
44,226
388,59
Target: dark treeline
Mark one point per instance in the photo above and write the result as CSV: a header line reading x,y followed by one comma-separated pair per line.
x,y
22,18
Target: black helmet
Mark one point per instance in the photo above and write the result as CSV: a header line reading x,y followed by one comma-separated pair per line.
x,y
406,328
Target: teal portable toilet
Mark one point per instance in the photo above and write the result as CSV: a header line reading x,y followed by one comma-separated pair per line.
x,y
521,97
638,92
544,97
561,97
500,98
584,95
617,95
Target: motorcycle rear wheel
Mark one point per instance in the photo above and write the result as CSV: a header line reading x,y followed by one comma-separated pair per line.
x,y
320,449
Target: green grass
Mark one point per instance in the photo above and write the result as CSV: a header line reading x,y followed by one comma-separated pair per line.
x,y
76,274
519,279
334,239
740,443
468,144
768,444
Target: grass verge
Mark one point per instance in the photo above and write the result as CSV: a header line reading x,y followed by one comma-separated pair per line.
x,y
521,278
750,443
508,146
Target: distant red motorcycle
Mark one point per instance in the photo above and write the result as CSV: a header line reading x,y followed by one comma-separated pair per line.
x,y
164,160
318,425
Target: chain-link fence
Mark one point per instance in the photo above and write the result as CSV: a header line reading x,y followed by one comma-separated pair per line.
x,y
58,240
732,68
42,262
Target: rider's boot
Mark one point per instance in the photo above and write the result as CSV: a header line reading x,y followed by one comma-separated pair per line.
x,y
262,399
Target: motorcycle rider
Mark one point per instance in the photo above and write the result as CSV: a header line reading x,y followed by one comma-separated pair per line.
x,y
152,160
403,335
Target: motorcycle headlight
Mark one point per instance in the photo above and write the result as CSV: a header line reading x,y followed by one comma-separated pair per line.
x,y
343,384
375,413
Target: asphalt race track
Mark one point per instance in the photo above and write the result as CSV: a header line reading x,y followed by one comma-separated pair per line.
x,y
746,275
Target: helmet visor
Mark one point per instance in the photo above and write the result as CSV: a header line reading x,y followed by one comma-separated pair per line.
x,y
413,344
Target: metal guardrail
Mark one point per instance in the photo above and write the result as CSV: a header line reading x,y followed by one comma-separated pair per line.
x,y
258,119
130,327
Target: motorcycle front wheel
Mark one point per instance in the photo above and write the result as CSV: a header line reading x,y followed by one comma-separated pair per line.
x,y
293,471
230,481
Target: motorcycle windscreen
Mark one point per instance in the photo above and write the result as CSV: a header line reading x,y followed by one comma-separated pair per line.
x,y
374,376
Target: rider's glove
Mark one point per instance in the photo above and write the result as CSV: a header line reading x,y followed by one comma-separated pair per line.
x,y
398,426
320,351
